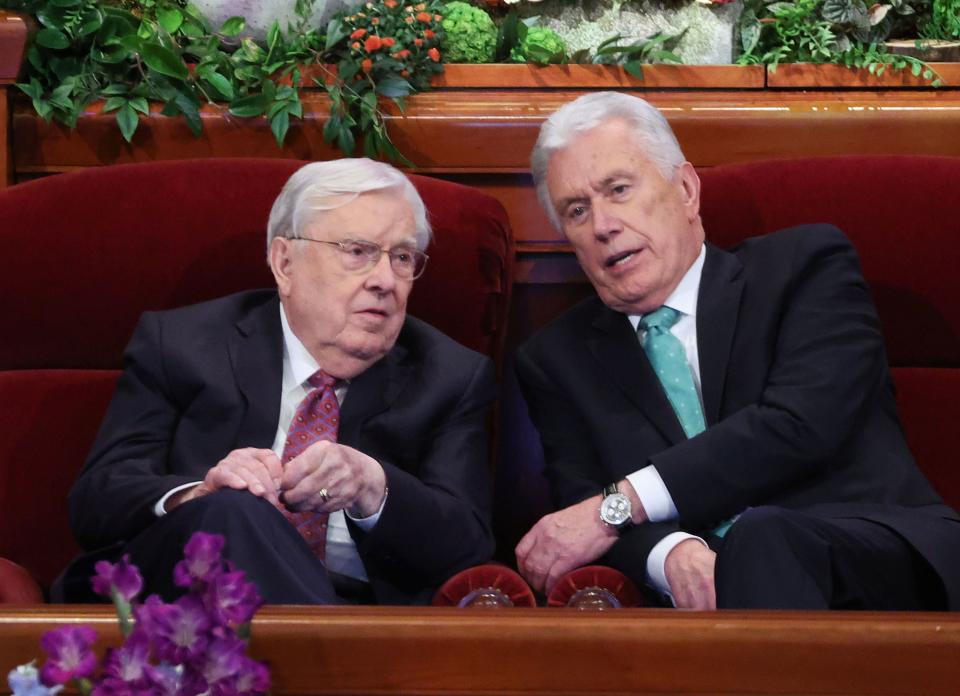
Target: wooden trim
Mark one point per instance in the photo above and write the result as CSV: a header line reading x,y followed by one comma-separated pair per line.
x,y
13,40
520,76
381,650
813,76
6,151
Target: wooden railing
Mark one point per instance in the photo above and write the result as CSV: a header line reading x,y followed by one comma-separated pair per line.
x,y
363,650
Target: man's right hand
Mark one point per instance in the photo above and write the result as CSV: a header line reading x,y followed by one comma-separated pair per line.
x,y
256,470
689,570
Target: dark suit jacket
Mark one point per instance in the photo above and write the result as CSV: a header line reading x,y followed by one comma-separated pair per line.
x,y
798,401
204,380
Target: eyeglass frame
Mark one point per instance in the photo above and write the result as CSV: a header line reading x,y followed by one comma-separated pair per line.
x,y
417,253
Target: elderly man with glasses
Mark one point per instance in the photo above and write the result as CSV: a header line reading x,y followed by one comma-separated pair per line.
x,y
323,432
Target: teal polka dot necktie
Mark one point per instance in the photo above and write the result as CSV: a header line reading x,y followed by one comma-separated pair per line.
x,y
669,361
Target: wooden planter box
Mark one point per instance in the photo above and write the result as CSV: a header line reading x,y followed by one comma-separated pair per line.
x,y
812,76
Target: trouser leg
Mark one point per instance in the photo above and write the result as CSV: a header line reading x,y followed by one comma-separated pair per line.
x,y
775,558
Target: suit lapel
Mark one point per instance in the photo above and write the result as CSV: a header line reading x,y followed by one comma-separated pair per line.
x,y
371,393
617,350
718,306
256,354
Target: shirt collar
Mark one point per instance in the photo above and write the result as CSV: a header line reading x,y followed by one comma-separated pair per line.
x,y
296,357
684,296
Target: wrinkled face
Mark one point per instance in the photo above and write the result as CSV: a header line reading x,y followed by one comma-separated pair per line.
x,y
635,232
346,319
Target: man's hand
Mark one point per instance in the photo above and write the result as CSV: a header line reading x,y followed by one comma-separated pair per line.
x,y
350,479
562,541
252,469
689,571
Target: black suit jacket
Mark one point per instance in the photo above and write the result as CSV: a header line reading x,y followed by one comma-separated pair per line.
x,y
204,380
797,395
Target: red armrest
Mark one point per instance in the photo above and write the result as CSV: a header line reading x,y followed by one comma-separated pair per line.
x,y
17,586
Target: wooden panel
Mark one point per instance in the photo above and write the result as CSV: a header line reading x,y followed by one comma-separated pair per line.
x,y
821,76
13,38
366,650
6,160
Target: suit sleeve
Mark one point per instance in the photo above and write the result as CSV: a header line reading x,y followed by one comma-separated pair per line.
x,y
126,471
827,368
573,465
436,520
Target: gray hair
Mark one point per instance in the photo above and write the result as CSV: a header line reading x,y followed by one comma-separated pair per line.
x,y
585,113
321,186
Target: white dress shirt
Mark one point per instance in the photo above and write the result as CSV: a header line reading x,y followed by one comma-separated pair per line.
x,y
298,366
650,488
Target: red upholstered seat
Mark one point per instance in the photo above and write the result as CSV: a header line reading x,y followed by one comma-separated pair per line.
x,y
84,254
483,577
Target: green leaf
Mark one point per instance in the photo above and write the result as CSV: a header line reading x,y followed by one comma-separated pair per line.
x,y
273,36
250,106
170,19
128,120
191,112
52,38
114,103
331,129
233,26
635,68
394,87
92,22
345,141
507,36
31,89
279,124
163,61
222,85
65,3
336,33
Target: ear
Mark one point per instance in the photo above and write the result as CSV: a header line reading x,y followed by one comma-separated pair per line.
x,y
690,186
281,259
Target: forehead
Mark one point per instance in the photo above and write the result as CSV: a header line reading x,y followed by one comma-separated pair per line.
x,y
384,215
594,157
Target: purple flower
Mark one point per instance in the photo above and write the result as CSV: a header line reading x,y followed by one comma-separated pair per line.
x,y
252,678
128,662
179,630
231,600
70,651
201,560
25,681
222,660
122,578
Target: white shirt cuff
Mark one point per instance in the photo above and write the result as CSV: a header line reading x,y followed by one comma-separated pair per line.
x,y
657,559
160,508
368,523
653,494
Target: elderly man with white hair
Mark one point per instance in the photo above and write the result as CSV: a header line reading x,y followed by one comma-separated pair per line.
x,y
720,425
322,431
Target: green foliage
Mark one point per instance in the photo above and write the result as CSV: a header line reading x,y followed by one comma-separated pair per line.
x,y
133,53
944,22
470,35
632,56
541,46
845,32
387,50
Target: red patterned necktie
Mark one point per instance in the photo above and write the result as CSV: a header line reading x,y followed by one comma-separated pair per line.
x,y
317,418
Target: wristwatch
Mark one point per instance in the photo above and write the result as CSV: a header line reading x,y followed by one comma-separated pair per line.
x,y
615,508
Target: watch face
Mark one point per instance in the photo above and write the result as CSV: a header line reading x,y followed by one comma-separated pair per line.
x,y
615,509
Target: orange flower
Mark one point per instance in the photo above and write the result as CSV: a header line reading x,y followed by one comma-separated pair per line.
x,y
428,33
437,18
388,42
372,44
424,17
400,55
355,45
421,7
408,19
358,33
390,3
418,42
366,65
375,21
434,54
404,73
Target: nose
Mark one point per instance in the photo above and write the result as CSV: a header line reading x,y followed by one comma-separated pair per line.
x,y
380,278
606,224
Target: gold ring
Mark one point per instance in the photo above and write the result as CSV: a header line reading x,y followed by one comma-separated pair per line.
x,y
324,496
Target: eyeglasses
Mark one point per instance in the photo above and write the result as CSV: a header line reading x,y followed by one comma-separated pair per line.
x,y
360,255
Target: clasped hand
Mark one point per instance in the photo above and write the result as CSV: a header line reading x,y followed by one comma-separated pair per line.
x,y
348,479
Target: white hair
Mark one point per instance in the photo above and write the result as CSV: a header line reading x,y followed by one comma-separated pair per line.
x,y
585,113
321,186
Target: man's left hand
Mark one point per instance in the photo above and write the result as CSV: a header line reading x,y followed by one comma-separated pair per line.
x,y
348,478
562,541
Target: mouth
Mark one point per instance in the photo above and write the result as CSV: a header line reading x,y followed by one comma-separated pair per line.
x,y
622,258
